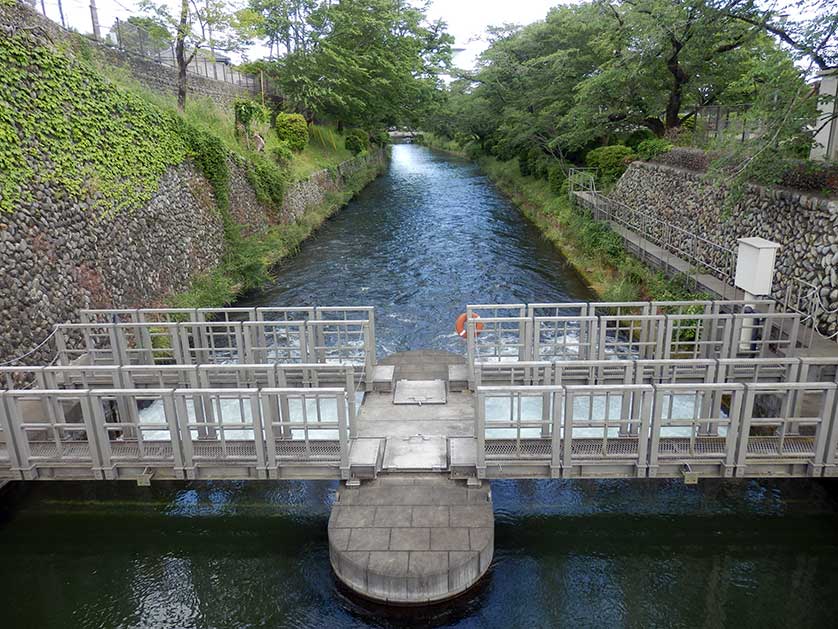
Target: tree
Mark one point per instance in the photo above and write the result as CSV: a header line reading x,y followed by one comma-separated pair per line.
x,y
141,35
366,63
197,25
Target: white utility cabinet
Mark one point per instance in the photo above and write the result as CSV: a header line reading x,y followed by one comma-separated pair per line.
x,y
755,265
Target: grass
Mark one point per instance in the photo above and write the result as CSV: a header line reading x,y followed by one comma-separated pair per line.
x,y
594,249
325,148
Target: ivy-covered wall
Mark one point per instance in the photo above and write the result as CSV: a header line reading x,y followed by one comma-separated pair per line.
x,y
107,200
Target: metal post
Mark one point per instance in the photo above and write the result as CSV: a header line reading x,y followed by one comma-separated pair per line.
x,y
94,18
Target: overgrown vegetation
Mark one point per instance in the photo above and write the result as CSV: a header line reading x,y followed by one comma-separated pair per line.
x,y
292,129
104,146
589,245
248,261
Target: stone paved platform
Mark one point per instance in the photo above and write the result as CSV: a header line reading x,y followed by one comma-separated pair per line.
x,y
411,540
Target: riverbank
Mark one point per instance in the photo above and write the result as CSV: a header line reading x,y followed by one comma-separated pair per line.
x,y
590,246
249,260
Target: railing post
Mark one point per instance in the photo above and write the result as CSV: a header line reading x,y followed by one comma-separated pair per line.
x,y
13,448
646,426
258,434
734,426
480,434
556,436
343,435
567,434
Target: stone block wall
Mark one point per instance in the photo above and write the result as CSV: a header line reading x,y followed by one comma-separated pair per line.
x,y
805,226
57,256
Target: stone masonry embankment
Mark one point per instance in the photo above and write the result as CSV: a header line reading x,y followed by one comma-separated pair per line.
x,y
805,226
58,255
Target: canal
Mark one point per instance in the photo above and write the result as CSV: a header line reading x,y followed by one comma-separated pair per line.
x,y
428,237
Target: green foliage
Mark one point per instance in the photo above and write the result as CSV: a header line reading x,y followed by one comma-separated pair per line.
x,y
362,136
293,129
105,147
208,153
556,177
267,181
647,149
248,111
282,153
354,144
611,161
380,138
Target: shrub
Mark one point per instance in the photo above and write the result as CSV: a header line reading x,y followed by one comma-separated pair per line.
x,y
381,138
472,149
362,135
293,129
282,153
354,144
611,161
556,177
247,112
648,149
636,137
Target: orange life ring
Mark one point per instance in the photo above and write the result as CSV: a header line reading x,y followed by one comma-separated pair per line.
x,y
460,326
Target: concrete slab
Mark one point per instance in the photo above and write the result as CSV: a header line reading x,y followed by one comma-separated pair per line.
x,y
410,553
420,392
416,453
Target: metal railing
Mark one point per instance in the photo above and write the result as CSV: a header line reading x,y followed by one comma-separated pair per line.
x,y
632,330
173,433
647,430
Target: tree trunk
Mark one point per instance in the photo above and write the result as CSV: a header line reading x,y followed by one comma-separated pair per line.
x,y
672,117
180,54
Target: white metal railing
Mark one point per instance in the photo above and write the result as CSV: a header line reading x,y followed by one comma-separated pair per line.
x,y
178,433
629,330
645,430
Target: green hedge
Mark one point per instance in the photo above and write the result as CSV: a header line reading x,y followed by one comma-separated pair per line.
x,y
293,129
611,161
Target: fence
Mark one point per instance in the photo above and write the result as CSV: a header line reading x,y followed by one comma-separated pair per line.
x,y
157,46
629,330
220,336
648,430
701,254
173,433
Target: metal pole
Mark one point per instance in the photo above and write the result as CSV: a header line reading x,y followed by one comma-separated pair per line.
x,y
43,8
118,34
94,18
61,11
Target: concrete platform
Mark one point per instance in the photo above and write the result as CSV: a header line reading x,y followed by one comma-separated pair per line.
x,y
411,540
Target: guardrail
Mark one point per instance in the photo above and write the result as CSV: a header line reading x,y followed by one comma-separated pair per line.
x,y
648,430
174,433
629,330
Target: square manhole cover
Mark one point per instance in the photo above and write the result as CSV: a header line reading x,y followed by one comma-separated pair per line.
x,y
419,392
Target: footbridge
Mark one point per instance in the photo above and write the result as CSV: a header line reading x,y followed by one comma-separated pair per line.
x,y
566,390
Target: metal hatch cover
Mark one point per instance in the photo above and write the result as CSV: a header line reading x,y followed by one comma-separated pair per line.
x,y
420,392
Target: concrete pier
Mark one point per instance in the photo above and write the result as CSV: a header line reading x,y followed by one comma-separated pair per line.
x,y
411,540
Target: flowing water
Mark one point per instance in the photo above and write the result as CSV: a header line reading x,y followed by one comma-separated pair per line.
x,y
419,243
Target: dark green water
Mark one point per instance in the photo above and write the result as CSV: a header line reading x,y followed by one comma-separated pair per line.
x,y
419,243
571,554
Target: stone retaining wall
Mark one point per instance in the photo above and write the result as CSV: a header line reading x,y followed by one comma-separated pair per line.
x,y
57,256
806,226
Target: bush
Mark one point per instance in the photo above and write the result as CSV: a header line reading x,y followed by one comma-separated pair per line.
x,y
354,144
293,129
362,135
282,153
648,149
556,177
611,161
381,138
636,137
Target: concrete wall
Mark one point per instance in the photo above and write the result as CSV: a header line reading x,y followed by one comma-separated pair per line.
x,y
806,226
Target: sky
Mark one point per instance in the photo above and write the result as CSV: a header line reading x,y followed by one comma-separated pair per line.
x,y
467,19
